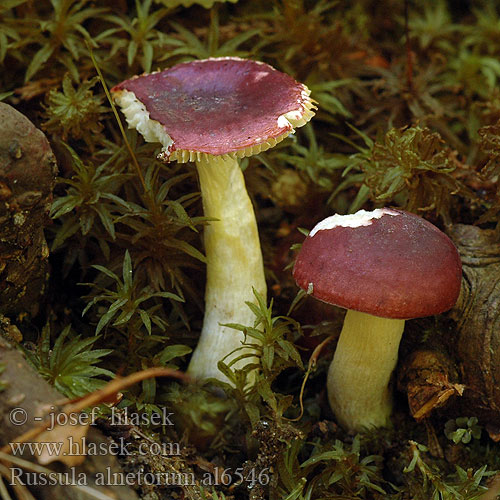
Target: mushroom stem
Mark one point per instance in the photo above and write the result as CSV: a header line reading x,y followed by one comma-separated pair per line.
x,y
234,264
359,375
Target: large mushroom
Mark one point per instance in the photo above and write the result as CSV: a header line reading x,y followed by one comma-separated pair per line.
x,y
213,112
384,267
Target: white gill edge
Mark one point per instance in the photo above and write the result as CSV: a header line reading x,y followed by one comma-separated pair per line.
x,y
298,117
137,117
360,218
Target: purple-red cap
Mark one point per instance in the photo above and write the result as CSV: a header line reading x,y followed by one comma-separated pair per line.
x,y
219,106
387,263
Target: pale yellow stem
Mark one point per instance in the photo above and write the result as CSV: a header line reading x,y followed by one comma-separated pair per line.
x,y
234,264
359,375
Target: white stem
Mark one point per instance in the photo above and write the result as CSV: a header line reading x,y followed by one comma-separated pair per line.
x,y
358,378
234,264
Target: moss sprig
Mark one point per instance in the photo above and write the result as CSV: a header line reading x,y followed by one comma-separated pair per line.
x,y
411,168
74,112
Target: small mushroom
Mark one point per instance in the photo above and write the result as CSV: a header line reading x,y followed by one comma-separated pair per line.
x,y
384,267
213,112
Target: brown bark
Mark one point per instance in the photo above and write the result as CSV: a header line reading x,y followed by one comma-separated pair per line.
x,y
27,177
468,355
477,314
25,389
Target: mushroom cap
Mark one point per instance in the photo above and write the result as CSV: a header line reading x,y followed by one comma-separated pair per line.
x,y
387,263
219,106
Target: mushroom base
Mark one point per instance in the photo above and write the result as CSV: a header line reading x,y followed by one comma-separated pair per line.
x,y
234,265
359,375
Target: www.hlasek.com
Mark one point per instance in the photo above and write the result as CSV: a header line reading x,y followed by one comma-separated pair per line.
x,y
73,447
219,477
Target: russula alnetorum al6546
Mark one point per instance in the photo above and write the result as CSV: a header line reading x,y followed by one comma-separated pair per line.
x,y
384,266
213,112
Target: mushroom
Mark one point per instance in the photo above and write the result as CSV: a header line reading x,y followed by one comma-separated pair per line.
x,y
384,267
213,112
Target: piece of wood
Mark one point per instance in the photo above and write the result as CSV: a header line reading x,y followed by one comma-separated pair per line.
x,y
27,178
27,396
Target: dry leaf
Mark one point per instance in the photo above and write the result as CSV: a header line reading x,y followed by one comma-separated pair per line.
x,y
66,443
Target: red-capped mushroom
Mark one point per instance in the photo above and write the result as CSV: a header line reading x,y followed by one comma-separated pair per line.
x,y
213,112
384,266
